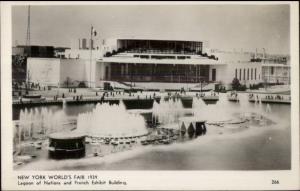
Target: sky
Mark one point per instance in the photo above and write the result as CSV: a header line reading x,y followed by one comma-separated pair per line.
x,y
225,27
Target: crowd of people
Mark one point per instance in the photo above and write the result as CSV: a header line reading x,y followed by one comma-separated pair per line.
x,y
269,97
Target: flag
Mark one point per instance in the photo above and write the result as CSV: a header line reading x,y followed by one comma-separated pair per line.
x,y
93,32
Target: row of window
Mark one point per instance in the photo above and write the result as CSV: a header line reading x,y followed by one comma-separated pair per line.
x,y
246,74
161,57
163,46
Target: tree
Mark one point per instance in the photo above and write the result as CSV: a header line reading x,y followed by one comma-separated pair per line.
x,y
82,84
108,54
235,84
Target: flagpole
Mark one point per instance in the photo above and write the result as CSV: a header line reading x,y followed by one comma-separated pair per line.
x,y
91,56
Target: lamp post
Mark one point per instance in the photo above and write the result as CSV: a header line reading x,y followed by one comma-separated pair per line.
x,y
201,83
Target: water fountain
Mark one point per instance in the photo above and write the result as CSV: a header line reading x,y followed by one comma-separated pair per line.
x,y
167,112
64,103
268,108
111,121
212,112
33,128
38,124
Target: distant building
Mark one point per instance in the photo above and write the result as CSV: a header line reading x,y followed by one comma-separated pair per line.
x,y
276,69
69,68
34,51
177,61
80,49
21,53
60,52
57,72
157,60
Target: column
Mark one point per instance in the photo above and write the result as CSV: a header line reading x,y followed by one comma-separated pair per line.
x,y
126,70
109,71
122,71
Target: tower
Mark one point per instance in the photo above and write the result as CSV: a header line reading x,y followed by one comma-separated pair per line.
x,y
27,48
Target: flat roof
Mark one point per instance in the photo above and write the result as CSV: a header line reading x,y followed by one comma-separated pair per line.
x,y
156,38
276,65
66,135
136,60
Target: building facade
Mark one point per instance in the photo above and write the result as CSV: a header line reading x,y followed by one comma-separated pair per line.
x,y
143,60
157,60
58,72
174,61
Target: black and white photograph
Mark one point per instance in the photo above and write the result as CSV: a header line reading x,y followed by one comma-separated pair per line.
x,y
137,87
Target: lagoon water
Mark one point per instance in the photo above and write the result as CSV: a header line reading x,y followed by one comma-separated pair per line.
x,y
255,148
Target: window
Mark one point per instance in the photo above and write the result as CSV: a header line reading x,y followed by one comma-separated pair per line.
x,y
162,57
251,73
272,70
214,73
181,57
244,74
144,56
240,74
255,73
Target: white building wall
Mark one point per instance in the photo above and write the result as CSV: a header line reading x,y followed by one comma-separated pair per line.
x,y
100,73
78,43
45,71
72,71
226,73
54,71
221,73
109,45
83,54
246,80
90,72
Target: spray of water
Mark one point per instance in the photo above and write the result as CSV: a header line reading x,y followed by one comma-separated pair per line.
x,y
34,121
167,112
37,124
221,111
111,121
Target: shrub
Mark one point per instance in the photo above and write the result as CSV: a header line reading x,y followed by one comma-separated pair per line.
x,y
108,54
255,86
235,84
82,84
242,88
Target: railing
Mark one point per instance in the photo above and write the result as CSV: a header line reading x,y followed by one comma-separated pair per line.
x,y
36,101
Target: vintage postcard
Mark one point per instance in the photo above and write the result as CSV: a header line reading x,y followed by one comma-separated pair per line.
x,y
150,95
